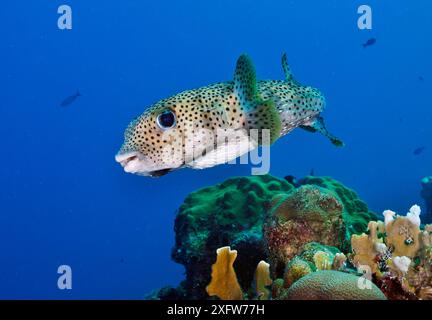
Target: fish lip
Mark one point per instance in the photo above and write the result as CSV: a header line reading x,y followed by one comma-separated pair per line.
x,y
135,162
130,160
125,158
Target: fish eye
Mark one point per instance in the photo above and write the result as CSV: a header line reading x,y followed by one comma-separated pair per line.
x,y
166,120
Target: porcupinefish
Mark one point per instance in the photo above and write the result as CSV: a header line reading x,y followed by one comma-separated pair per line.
x,y
211,125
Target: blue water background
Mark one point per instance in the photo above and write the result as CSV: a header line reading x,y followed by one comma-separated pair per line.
x,y
63,198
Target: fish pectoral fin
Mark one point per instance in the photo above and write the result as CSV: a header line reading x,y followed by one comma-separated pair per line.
x,y
264,116
260,114
318,125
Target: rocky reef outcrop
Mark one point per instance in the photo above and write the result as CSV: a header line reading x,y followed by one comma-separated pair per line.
x,y
309,214
264,218
307,239
227,214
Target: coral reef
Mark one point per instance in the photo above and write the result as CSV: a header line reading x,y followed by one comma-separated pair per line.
x,y
426,194
230,213
398,253
224,283
269,219
314,257
331,285
355,214
322,210
307,276
309,214
368,249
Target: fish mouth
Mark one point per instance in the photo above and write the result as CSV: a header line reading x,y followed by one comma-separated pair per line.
x,y
132,162
125,158
135,162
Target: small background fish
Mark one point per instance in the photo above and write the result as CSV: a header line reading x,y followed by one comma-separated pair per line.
x,y
71,99
369,43
419,150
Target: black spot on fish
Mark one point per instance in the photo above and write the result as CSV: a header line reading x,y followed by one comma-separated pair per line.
x,y
419,151
421,78
71,99
370,42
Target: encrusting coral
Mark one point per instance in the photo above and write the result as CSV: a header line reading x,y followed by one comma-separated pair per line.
x,y
314,257
355,214
309,214
296,269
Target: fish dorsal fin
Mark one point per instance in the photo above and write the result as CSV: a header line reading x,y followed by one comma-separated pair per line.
x,y
245,81
287,70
